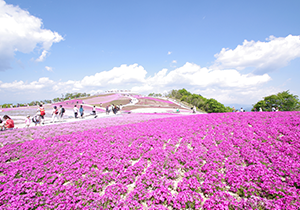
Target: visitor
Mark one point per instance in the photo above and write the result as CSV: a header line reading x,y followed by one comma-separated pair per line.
x,y
42,113
75,109
273,109
106,110
1,124
36,120
260,109
61,112
233,109
9,123
194,109
110,108
277,109
114,108
27,121
81,111
94,110
242,110
54,114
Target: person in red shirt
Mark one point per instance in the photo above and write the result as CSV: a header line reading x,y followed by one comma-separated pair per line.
x,y
9,123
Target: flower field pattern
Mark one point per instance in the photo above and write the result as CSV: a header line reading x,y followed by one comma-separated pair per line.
x,y
213,161
28,134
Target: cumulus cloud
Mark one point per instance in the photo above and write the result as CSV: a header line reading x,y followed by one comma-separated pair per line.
x,y
237,95
22,32
264,57
169,53
227,86
191,76
125,74
21,85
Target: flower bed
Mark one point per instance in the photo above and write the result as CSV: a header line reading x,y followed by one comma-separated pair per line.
x,y
102,99
26,134
214,161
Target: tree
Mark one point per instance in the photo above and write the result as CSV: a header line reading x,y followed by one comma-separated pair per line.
x,y
213,106
208,105
285,101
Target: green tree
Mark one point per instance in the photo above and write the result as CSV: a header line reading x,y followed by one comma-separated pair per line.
x,y
151,94
202,103
213,106
285,101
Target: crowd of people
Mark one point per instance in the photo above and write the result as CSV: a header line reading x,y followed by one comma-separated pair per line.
x,y
58,113
113,108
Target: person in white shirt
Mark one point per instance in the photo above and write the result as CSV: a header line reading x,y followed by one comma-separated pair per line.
x,y
54,114
194,109
75,109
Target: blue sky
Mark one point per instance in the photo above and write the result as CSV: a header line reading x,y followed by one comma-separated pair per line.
x,y
234,51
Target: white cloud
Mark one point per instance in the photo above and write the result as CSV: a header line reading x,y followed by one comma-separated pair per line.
x,y
22,32
174,61
192,74
48,68
21,85
42,56
169,53
216,83
265,57
124,74
237,95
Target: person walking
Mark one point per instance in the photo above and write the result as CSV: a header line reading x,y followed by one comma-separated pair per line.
x,y
61,112
94,110
54,114
109,109
194,109
27,121
42,113
81,111
106,109
36,120
75,109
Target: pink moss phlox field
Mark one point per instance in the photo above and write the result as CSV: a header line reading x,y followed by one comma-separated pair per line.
x,y
41,132
103,99
157,99
213,161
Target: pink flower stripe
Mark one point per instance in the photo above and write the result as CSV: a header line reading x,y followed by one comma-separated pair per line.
x,y
156,99
103,99
213,161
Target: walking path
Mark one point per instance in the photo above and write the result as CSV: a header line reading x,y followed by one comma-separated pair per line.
x,y
69,115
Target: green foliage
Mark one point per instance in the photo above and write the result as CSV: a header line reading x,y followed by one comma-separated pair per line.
x,y
75,95
208,105
6,105
155,94
213,106
285,101
33,103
